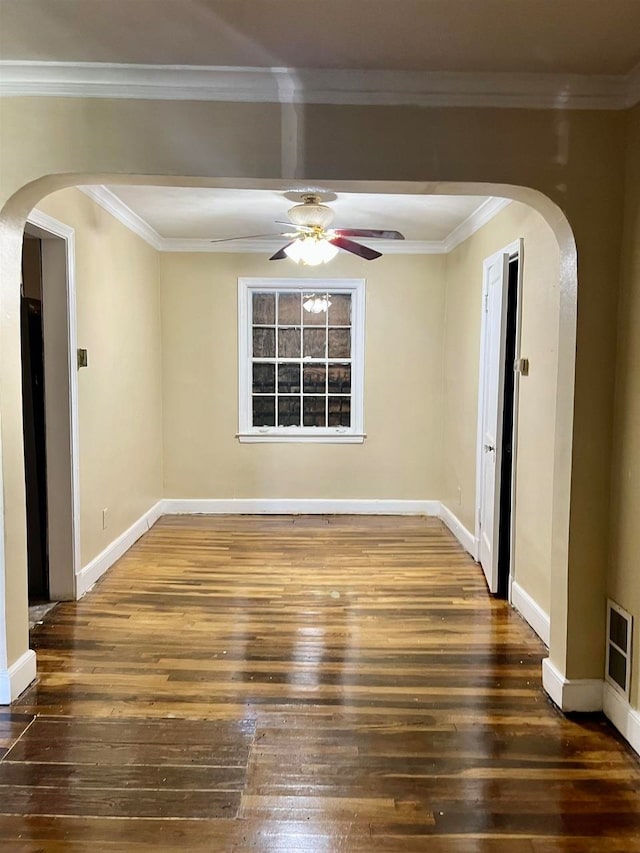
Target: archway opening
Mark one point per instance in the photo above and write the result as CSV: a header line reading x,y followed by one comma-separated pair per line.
x,y
448,492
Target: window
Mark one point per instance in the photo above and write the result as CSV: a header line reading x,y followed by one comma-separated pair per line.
x,y
301,359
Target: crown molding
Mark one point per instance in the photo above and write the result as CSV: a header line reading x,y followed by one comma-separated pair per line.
x,y
481,215
123,213
317,86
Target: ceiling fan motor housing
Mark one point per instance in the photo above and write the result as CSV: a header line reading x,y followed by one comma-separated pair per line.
x,y
311,213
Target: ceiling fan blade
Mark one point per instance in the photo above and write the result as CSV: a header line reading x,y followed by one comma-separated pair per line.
x,y
245,237
369,232
356,248
280,255
293,226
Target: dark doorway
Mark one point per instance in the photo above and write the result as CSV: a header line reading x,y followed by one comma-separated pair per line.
x,y
504,535
33,413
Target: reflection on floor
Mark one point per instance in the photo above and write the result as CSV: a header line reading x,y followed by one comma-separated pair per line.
x,y
37,612
308,684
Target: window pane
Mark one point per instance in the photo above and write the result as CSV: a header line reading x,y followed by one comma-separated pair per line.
x,y
264,411
288,343
264,343
339,343
315,342
340,309
310,318
288,411
289,308
314,378
264,378
339,411
301,361
264,309
339,378
288,378
314,411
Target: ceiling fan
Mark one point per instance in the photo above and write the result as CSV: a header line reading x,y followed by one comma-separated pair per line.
x,y
313,242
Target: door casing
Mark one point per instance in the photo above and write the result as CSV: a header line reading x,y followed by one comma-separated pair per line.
x,y
515,249
61,404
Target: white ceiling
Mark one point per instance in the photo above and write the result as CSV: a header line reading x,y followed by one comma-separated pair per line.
x,y
200,213
541,36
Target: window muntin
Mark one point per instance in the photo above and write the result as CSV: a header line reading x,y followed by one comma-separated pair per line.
x,y
303,367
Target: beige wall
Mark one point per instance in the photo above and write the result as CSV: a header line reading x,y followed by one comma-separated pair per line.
x,y
119,393
400,457
537,397
624,565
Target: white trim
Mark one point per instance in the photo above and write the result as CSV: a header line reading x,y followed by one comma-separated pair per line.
x,y
464,537
94,570
16,679
581,694
123,213
516,420
481,215
511,250
531,612
114,205
59,229
22,78
297,506
625,718
246,431
329,436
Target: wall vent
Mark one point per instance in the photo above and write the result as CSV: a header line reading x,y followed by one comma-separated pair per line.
x,y
619,635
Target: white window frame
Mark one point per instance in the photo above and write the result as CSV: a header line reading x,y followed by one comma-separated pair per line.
x,y
246,431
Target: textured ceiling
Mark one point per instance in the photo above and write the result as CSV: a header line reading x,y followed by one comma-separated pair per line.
x,y
547,36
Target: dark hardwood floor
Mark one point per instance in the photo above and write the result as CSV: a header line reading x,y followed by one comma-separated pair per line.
x,y
302,684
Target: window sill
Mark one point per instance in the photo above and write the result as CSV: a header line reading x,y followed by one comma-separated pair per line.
x,y
300,438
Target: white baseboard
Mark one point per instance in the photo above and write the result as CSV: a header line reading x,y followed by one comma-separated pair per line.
x,y
296,506
625,718
16,679
580,694
94,570
531,612
466,539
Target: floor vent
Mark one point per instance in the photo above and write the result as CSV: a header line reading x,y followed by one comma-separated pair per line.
x,y
619,634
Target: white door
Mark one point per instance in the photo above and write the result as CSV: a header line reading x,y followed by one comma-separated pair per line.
x,y
491,404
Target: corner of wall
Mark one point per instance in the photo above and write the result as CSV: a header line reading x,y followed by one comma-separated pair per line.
x,y
580,694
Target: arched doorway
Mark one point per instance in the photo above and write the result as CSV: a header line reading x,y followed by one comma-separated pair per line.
x,y
566,355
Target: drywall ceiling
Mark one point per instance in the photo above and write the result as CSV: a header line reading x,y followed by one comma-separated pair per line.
x,y
540,36
199,213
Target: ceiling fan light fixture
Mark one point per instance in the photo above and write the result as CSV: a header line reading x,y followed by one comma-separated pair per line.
x,y
311,213
316,304
311,251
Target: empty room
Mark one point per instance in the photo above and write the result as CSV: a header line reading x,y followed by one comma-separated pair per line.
x,y
319,435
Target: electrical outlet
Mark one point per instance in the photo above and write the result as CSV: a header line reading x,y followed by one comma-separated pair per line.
x,y
105,518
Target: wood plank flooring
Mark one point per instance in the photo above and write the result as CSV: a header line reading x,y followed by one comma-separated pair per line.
x,y
302,684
